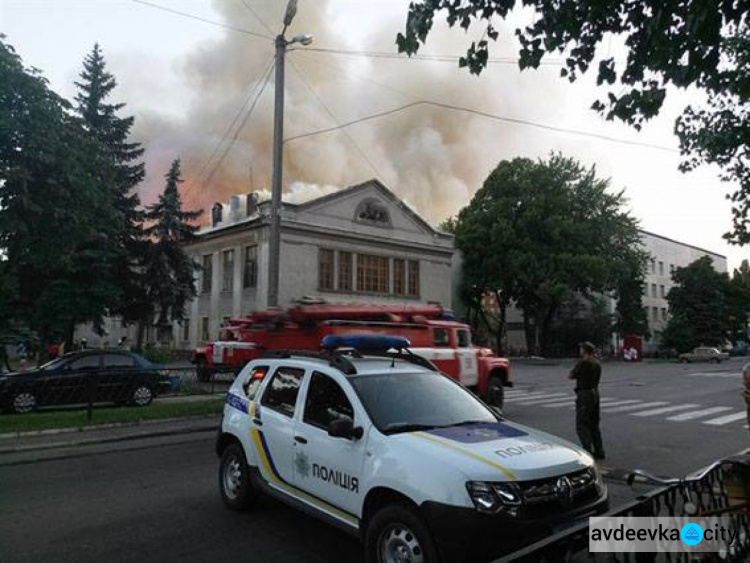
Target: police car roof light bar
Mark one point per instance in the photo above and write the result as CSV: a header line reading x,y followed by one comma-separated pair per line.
x,y
365,342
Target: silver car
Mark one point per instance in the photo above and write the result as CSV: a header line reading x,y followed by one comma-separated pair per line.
x,y
704,354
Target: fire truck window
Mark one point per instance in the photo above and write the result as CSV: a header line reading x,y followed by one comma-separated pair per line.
x,y
326,402
282,391
440,337
463,338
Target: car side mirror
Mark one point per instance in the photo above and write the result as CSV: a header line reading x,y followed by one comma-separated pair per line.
x,y
344,428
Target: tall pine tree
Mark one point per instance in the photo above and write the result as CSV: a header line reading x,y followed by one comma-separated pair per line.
x,y
112,133
170,271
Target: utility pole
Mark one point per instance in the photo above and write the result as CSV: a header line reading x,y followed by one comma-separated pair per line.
x,y
274,240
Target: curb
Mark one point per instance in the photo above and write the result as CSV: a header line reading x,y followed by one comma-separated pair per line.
x,y
212,426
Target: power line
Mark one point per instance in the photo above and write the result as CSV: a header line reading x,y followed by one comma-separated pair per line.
x,y
204,20
257,17
258,93
238,114
482,114
336,121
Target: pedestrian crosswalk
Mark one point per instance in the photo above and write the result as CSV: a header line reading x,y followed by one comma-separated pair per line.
x,y
720,374
517,398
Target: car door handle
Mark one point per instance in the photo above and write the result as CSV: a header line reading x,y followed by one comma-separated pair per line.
x,y
300,439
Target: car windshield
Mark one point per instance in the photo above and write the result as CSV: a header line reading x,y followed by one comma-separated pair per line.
x,y
417,401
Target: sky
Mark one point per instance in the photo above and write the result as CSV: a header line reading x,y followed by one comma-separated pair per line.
x,y
186,81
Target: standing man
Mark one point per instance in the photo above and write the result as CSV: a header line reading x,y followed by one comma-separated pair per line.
x,y
587,373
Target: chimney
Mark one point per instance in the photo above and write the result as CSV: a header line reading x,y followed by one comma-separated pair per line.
x,y
251,205
234,209
216,213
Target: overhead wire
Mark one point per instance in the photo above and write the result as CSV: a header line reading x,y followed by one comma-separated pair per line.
x,y
257,17
236,118
260,88
336,121
204,20
482,114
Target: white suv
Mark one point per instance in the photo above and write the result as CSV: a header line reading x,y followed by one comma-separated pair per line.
x,y
395,452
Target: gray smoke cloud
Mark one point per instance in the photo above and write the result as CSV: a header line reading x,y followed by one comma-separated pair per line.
x,y
432,158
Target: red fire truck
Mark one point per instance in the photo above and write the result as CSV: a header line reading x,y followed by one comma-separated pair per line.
x,y
433,332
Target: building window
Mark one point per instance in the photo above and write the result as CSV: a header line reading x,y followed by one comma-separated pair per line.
x,y
414,277
664,313
185,329
373,273
204,329
661,268
655,313
208,270
345,271
653,290
671,268
227,270
250,269
653,266
325,269
663,292
399,276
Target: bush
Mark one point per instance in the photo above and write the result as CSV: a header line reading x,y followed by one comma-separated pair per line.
x,y
156,354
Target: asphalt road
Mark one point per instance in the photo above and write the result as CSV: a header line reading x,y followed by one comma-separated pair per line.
x,y
157,499
160,503
667,418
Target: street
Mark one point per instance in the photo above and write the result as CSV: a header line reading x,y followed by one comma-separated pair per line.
x,y
667,418
157,499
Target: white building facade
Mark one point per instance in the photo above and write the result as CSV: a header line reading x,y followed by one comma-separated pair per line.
x,y
359,245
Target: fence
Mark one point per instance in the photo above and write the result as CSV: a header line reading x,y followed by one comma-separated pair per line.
x,y
23,393
709,493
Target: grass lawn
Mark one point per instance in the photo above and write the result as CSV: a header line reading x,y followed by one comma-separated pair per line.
x,y
107,415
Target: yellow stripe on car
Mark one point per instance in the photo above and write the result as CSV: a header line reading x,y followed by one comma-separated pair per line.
x,y
504,470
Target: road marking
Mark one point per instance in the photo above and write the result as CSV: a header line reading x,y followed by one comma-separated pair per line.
x,y
663,410
715,374
698,414
635,407
531,396
617,403
742,415
515,392
572,402
543,399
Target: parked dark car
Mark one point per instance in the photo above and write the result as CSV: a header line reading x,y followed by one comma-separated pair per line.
x,y
99,376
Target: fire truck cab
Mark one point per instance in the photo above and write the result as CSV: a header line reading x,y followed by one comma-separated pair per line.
x,y
433,332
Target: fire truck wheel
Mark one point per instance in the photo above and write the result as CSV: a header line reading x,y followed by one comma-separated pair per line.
x,y
495,392
202,371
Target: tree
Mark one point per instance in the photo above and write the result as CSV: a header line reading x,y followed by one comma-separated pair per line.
x,y
112,134
170,271
739,302
704,45
699,304
53,219
630,317
539,231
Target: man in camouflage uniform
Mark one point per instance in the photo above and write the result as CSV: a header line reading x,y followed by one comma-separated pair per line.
x,y
587,373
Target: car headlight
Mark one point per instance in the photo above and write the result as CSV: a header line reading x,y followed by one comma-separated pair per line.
x,y
492,498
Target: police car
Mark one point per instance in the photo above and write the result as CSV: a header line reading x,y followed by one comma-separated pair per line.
x,y
384,446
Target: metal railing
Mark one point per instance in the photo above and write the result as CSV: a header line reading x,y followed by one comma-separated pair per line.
x,y
703,493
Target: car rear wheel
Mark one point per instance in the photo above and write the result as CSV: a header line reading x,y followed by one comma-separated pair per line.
x,y
495,392
142,396
396,534
234,479
23,402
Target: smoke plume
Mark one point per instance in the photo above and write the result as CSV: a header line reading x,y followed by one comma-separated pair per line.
x,y
432,158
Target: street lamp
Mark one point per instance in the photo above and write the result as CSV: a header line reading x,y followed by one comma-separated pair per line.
x,y
274,242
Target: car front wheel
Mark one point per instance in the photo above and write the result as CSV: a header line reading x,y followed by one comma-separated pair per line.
x,y
23,402
397,533
234,479
142,396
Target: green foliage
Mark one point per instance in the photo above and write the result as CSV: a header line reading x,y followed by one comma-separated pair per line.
x,y
111,133
703,45
54,220
699,304
156,354
579,320
168,269
448,226
630,317
538,231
